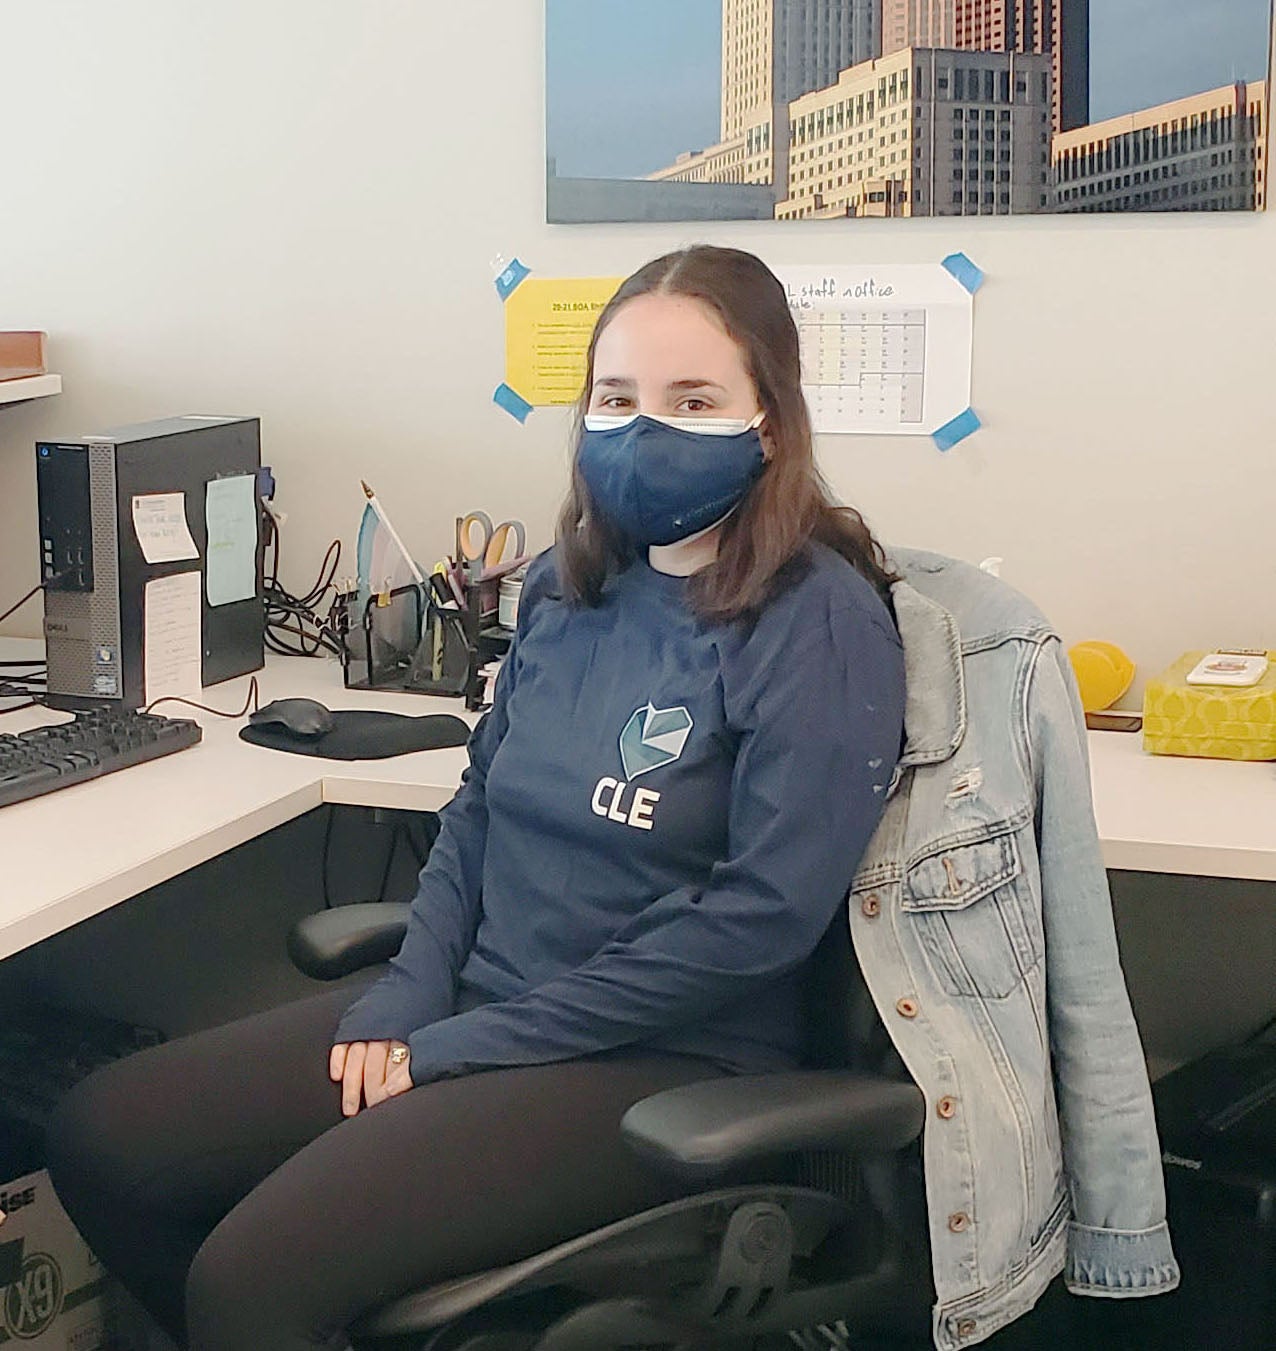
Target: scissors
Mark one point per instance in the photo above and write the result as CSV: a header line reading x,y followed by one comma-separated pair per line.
x,y
490,546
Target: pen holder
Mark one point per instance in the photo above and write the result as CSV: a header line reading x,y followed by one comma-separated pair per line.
x,y
444,657
403,641
378,652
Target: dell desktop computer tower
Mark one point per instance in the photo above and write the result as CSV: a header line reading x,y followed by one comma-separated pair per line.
x,y
151,560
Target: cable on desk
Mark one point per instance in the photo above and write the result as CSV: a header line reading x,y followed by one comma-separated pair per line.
x,y
35,590
36,677
17,605
299,618
250,702
29,687
12,689
17,685
28,681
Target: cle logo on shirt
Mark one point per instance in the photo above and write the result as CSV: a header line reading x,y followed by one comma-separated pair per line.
x,y
651,738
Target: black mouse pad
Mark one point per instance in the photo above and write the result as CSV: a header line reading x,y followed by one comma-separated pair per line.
x,y
364,735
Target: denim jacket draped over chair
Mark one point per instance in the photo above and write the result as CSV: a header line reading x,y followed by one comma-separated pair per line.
x,y
982,923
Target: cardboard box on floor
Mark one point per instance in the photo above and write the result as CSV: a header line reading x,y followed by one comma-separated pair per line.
x,y
53,1291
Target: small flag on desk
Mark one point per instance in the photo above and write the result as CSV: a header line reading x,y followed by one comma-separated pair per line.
x,y
383,566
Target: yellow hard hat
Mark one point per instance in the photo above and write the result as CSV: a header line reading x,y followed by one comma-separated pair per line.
x,y
1103,672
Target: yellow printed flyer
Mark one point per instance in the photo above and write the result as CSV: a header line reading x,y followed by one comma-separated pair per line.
x,y
548,322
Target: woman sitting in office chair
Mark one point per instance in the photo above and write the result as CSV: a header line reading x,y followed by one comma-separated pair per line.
x,y
691,744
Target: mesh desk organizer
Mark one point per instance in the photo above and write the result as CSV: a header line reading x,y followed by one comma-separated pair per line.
x,y
405,640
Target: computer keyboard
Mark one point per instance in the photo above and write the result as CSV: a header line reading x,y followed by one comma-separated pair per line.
x,y
99,741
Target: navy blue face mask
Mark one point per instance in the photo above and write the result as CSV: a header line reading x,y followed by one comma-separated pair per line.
x,y
659,482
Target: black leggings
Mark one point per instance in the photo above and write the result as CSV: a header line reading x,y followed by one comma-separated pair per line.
x,y
216,1177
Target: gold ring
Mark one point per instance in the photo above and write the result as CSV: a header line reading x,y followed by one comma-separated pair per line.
x,y
398,1055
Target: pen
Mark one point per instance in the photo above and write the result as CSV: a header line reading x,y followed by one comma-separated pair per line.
x,y
394,534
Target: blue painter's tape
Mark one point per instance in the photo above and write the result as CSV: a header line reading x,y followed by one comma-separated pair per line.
x,y
510,278
970,276
513,403
947,436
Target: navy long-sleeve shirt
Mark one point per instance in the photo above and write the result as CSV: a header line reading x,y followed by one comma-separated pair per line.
x,y
660,818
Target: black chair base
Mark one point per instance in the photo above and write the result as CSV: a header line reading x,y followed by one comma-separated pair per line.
x,y
720,1269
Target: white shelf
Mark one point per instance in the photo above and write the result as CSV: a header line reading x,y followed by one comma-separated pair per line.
x,y
33,387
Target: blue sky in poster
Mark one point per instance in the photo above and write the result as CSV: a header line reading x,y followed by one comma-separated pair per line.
x,y
1150,51
630,83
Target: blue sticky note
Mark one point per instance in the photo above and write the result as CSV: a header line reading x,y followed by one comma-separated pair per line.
x,y
230,559
970,276
960,427
510,278
513,403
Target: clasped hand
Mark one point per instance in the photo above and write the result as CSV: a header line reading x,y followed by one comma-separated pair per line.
x,y
364,1071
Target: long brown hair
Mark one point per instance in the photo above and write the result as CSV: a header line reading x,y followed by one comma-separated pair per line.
x,y
789,505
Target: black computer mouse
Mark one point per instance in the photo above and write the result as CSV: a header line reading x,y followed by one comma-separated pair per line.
x,y
301,717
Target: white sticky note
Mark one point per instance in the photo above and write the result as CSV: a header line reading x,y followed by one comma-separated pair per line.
x,y
173,635
159,521
230,563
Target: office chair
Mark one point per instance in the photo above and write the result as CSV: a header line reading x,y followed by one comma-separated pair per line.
x,y
776,1233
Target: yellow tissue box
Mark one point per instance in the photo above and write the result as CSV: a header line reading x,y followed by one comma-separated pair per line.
x,y
1222,722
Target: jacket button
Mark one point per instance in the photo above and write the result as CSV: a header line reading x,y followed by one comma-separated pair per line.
x,y
959,1221
965,1327
871,906
906,1008
946,1108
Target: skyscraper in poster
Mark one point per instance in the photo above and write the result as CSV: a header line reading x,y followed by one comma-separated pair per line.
x,y
1059,28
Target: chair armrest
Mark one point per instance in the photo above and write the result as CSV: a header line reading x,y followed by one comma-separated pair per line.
x,y
702,1130
333,943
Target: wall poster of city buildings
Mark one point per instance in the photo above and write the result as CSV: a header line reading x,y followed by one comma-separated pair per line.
x,y
822,109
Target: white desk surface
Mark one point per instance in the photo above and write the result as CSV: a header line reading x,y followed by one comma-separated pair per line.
x,y
1177,814
78,851
83,849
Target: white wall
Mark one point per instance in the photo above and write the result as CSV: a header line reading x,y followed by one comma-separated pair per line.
x,y
289,209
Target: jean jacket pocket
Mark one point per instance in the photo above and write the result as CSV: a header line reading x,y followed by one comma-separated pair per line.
x,y
967,901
